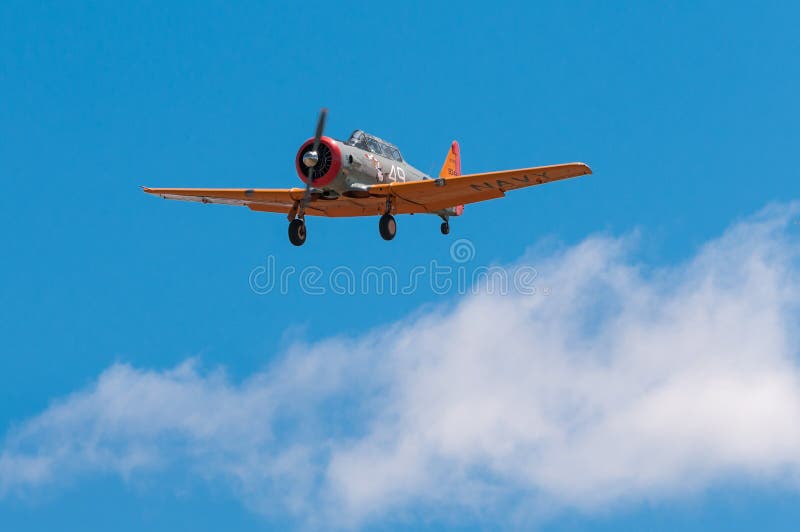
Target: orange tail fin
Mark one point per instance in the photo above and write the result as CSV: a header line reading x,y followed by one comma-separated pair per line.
x,y
452,167
452,164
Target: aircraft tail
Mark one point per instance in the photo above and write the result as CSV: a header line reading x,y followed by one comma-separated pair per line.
x,y
452,168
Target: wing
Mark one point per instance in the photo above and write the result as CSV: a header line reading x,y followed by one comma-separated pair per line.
x,y
279,200
432,195
264,199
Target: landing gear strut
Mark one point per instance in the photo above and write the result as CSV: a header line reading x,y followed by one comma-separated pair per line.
x,y
387,226
297,231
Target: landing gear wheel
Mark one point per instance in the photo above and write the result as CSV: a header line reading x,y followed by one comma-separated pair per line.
x,y
387,226
297,232
445,227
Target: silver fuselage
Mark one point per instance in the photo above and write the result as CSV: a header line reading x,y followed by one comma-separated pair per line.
x,y
361,168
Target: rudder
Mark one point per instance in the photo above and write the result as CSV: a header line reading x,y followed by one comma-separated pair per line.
x,y
452,163
452,168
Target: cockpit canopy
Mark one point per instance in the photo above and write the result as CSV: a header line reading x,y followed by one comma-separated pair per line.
x,y
373,144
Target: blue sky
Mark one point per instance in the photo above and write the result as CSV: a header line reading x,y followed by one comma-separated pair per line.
x,y
686,112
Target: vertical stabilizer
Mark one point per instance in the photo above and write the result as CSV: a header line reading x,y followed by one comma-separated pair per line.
x,y
452,168
452,164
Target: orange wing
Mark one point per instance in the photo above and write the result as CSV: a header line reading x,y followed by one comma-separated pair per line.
x,y
432,195
279,200
270,199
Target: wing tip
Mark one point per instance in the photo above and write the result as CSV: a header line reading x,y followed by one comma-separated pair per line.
x,y
585,167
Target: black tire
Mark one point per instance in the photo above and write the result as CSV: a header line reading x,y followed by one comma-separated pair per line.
x,y
387,226
297,232
445,228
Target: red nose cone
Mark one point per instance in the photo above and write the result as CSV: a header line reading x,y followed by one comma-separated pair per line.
x,y
328,164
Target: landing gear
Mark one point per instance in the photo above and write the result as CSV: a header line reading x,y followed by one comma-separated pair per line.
x,y
387,226
297,232
445,227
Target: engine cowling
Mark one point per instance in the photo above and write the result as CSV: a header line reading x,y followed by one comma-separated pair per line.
x,y
329,162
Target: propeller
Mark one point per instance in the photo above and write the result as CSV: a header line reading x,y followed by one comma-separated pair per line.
x,y
310,159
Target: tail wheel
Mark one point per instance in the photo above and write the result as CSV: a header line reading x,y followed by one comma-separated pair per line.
x,y
445,227
387,226
297,232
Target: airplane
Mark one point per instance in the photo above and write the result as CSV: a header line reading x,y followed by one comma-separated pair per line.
x,y
367,176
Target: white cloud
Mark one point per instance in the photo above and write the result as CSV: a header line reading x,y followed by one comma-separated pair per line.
x,y
623,384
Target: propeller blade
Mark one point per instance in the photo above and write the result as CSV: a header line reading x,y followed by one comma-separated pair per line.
x,y
307,193
323,116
